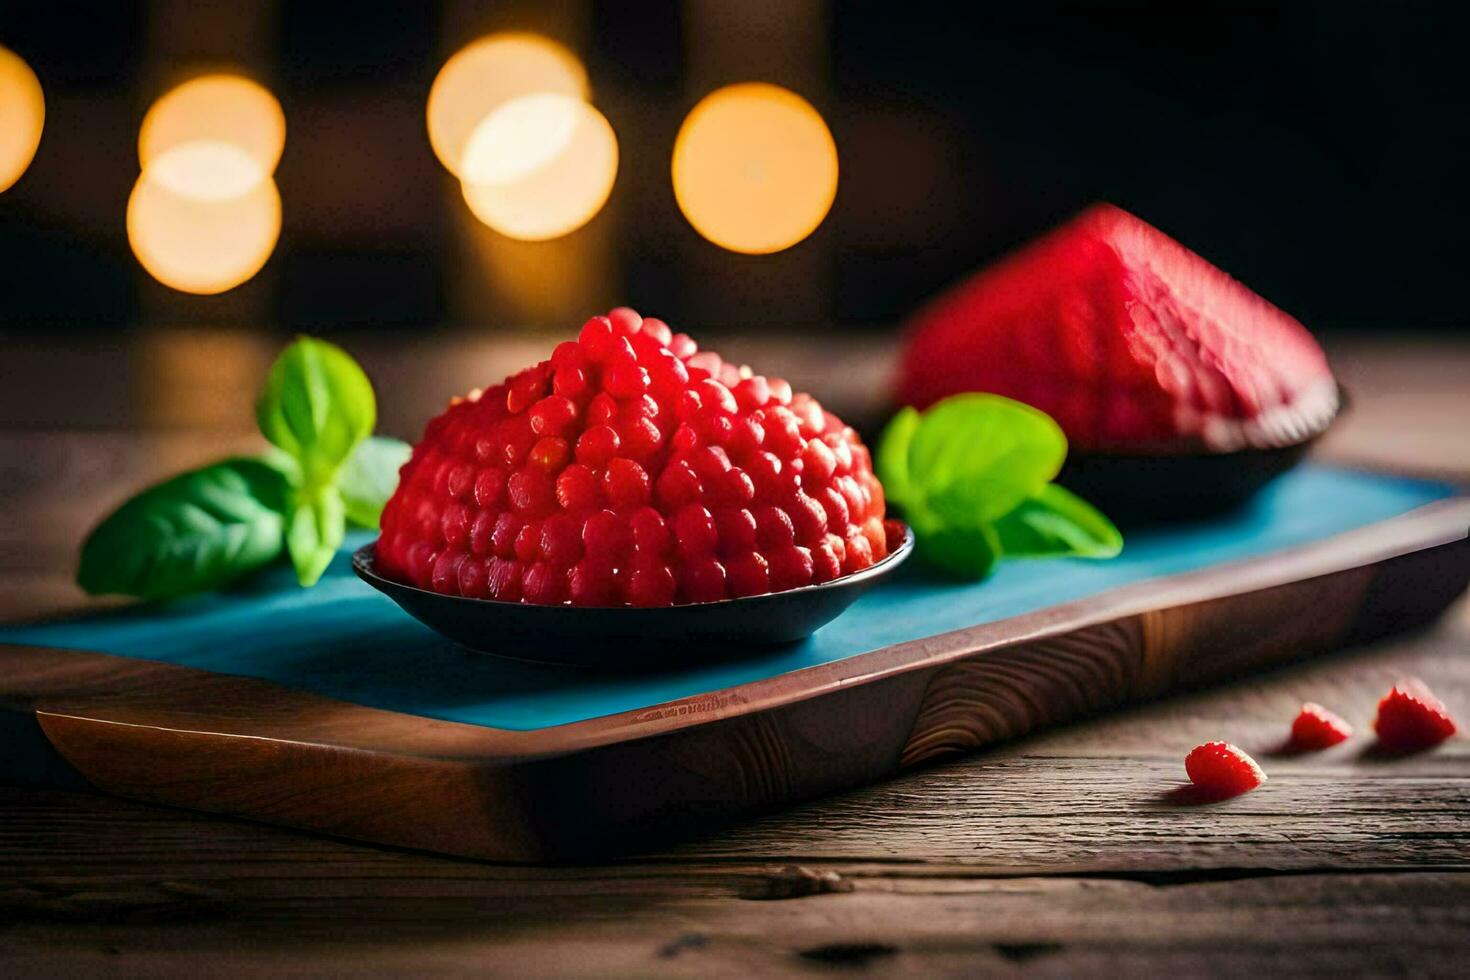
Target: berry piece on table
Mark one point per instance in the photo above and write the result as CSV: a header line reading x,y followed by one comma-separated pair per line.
x,y
1410,717
632,468
1317,728
1220,769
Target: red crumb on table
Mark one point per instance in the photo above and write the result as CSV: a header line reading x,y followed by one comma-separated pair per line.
x,y
1317,728
1219,769
1410,717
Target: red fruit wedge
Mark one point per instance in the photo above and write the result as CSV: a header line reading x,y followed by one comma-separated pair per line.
x,y
1132,342
1410,718
1317,728
1220,769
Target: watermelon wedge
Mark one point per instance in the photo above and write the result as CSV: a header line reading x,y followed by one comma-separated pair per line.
x,y
1133,343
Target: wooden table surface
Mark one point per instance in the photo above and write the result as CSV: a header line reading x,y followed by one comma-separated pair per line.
x,y
1061,854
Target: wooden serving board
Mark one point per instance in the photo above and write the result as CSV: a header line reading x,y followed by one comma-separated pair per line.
x,y
330,709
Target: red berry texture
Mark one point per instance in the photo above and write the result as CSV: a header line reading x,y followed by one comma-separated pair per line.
x,y
1411,718
1132,342
1220,770
632,468
1317,728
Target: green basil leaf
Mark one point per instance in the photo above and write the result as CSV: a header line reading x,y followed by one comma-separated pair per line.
x,y
191,533
370,476
284,463
314,531
964,551
1057,522
975,457
893,455
317,405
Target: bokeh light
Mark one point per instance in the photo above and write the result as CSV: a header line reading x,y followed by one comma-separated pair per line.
x,y
540,166
754,168
22,115
189,231
205,213
485,75
206,170
220,108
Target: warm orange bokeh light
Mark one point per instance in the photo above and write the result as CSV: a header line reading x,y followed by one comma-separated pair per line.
x,y
22,115
205,214
220,108
540,166
755,168
203,217
488,73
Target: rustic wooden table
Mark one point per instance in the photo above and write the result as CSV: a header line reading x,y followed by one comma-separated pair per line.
x,y
1061,854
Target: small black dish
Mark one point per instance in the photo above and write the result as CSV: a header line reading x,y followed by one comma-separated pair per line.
x,y
1137,490
624,637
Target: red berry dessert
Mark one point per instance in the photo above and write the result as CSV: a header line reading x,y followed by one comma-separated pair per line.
x,y
1220,769
633,468
1132,342
1317,728
1410,718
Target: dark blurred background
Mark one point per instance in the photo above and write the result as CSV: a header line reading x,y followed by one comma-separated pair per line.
x,y
1317,151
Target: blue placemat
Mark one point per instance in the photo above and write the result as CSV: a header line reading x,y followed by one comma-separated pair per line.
x,y
344,640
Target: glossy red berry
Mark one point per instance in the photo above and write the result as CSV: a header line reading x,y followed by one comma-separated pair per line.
x,y
531,491
607,536
550,454
544,584
735,529
591,582
561,540
624,320
658,330
625,379
577,488
1220,769
625,483
473,581
651,584
504,579
632,468
773,528
503,538
791,568
694,532
825,564
598,445
749,574
552,415
703,580
596,338
651,535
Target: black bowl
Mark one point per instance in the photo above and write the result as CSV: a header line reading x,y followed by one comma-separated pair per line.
x,y
624,637
1139,490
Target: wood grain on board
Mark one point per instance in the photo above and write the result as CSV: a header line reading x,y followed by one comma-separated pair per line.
x,y
1062,854
249,748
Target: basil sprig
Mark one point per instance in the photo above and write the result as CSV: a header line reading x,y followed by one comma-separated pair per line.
x,y
973,476
316,406
208,526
